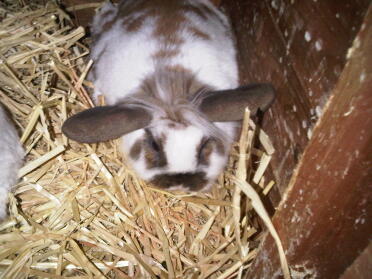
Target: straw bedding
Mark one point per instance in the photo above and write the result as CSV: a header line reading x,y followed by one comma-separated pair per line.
x,y
78,210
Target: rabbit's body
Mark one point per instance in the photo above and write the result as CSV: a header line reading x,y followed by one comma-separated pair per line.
x,y
169,45
11,155
137,38
165,67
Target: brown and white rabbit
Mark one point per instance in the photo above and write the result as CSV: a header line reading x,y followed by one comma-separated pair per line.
x,y
168,71
11,156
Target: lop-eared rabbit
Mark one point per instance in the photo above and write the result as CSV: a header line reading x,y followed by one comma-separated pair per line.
x,y
11,156
168,72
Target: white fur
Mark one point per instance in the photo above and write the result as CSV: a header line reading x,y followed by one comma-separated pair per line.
x,y
123,59
180,148
11,155
213,60
109,10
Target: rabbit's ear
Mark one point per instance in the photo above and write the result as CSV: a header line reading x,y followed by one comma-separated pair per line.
x,y
105,123
229,105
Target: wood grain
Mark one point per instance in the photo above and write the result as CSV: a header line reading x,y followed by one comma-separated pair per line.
x,y
361,267
325,217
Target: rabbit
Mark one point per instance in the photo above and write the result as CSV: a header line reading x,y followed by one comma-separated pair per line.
x,y
11,158
168,71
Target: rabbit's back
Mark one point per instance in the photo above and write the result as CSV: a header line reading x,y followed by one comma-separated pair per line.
x,y
136,38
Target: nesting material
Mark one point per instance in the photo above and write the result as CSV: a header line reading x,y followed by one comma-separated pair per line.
x,y
78,211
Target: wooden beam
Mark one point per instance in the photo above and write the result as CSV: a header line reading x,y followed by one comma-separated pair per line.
x,y
81,17
361,267
325,217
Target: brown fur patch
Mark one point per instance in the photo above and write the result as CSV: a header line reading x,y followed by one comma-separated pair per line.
x,y
136,149
179,85
164,54
206,147
193,181
168,14
179,69
206,10
191,84
220,147
172,125
195,10
199,34
134,24
170,19
176,116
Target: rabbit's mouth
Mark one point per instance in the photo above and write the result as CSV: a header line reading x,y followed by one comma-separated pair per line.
x,y
191,181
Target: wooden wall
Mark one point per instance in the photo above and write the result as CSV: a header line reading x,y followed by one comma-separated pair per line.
x,y
324,219
301,47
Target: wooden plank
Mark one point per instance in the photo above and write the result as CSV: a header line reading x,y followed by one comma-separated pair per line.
x,y
361,267
325,218
81,17
299,46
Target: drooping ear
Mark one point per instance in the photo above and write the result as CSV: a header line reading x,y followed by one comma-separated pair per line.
x,y
229,105
105,123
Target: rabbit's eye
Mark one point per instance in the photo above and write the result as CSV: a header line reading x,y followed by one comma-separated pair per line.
x,y
154,144
151,141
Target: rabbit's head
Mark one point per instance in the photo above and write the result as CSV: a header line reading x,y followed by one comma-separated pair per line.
x,y
176,131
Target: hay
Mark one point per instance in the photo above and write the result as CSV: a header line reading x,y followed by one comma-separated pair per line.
x,y
78,211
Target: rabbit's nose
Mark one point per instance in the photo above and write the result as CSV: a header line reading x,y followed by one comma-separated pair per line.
x,y
192,181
